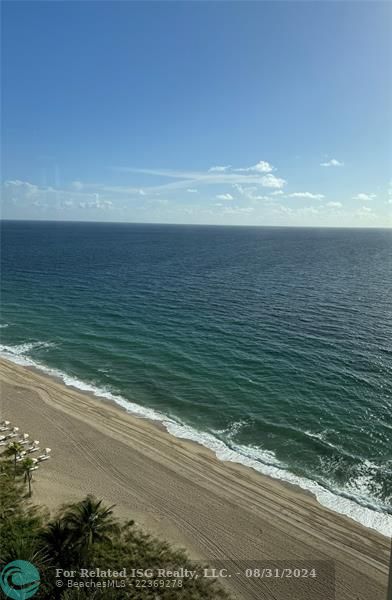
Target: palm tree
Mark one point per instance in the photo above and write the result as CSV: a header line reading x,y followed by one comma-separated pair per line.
x,y
56,540
89,523
24,548
9,492
27,466
14,449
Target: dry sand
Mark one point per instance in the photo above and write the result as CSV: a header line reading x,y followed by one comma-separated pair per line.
x,y
180,491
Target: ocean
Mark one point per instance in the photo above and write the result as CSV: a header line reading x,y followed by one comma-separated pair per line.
x,y
271,346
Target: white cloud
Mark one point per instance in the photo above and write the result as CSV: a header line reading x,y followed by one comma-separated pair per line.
x,y
306,195
96,203
192,191
364,197
261,167
219,169
271,181
224,197
25,194
142,192
249,192
332,163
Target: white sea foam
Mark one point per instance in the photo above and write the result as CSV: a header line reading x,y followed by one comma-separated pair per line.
x,y
263,461
17,354
11,352
22,349
317,435
322,437
3,325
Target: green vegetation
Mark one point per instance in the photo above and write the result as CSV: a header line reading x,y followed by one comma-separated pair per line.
x,y
86,535
13,450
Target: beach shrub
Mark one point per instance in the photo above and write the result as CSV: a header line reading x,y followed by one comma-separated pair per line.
x,y
86,534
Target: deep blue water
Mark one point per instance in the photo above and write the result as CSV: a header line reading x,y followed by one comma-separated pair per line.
x,y
273,346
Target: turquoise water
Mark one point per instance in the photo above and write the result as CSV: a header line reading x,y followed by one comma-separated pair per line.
x,y
272,346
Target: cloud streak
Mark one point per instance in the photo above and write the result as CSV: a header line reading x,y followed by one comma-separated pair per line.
x,y
219,169
187,179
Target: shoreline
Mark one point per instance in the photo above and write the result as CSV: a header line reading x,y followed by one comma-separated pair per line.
x,y
366,514
180,490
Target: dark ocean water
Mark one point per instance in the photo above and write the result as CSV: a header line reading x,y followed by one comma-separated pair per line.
x,y
272,346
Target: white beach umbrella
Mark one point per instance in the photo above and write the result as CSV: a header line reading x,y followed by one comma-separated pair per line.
x,y
47,450
15,429
25,436
36,443
6,423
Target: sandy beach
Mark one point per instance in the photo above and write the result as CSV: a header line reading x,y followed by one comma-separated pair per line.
x,y
180,491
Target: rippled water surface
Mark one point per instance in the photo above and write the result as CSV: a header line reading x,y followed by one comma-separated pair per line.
x,y
271,346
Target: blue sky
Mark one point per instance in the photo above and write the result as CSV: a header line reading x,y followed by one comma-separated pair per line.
x,y
269,113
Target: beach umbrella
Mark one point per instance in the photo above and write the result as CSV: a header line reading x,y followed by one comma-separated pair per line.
x,y
36,443
5,423
15,429
47,450
25,436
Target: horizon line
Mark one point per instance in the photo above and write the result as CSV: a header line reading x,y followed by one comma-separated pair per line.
x,y
386,227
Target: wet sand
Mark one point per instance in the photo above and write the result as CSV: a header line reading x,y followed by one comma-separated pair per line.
x,y
180,491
